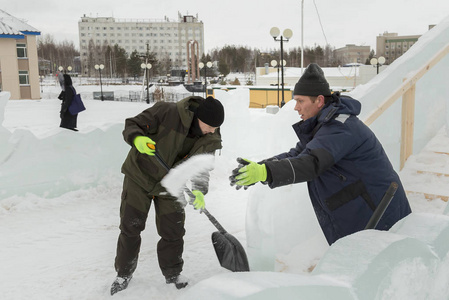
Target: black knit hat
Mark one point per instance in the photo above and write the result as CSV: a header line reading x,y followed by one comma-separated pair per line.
x,y
312,82
211,112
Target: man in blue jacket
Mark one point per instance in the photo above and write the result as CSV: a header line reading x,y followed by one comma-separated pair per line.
x,y
345,166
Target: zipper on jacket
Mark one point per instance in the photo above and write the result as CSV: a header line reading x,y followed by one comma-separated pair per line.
x,y
338,174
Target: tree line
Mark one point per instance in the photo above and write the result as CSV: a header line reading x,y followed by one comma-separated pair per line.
x,y
230,58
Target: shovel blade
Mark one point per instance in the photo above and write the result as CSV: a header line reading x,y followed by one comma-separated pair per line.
x,y
230,252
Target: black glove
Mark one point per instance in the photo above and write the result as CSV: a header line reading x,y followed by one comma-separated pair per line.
x,y
236,172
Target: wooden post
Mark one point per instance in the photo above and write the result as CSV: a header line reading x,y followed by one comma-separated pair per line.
x,y
407,124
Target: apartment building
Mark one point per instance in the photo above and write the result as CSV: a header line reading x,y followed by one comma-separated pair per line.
x,y
391,45
352,54
167,38
19,71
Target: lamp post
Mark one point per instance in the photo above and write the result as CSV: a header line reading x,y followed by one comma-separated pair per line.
x,y
41,77
286,35
146,68
99,68
274,64
302,36
377,62
208,65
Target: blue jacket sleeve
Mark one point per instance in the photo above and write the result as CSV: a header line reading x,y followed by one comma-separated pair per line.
x,y
330,144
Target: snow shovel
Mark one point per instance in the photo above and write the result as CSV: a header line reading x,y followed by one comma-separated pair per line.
x,y
382,207
230,252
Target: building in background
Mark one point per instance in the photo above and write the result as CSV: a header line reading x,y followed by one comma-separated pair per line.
x,y
167,38
352,54
19,71
391,45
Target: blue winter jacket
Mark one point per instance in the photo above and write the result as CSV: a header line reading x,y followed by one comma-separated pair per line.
x,y
346,169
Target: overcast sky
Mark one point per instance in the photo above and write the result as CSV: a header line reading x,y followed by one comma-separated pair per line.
x,y
247,22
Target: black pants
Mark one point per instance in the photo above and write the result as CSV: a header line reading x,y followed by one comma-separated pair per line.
x,y
170,218
68,120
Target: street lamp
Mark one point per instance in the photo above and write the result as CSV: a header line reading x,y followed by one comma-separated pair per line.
x,y
377,62
146,73
302,35
99,68
41,77
286,35
274,64
208,65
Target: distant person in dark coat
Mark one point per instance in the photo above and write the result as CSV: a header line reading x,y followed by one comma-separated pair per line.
x,y
345,166
67,119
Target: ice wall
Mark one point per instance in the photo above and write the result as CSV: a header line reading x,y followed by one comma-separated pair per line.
x,y
7,148
431,103
54,165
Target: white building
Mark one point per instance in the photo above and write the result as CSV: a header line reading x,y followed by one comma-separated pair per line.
x,y
167,38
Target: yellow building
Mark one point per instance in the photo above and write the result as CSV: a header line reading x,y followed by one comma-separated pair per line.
x,y
19,70
261,97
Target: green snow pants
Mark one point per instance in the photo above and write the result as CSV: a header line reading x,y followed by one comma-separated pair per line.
x,y
170,218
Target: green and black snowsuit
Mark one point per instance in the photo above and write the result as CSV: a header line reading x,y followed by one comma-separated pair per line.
x,y
167,124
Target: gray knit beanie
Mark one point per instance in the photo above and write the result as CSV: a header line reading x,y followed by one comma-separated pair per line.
x,y
312,82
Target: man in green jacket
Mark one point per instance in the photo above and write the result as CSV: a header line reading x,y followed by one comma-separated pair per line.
x,y
176,131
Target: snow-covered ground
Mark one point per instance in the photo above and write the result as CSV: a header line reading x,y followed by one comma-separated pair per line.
x,y
58,238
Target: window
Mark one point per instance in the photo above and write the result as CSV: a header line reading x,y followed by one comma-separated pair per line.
x,y
23,78
22,50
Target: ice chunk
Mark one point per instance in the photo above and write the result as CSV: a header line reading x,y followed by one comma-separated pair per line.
x,y
381,265
278,222
432,229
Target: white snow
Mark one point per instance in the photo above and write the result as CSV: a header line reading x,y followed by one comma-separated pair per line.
x,y
180,177
60,197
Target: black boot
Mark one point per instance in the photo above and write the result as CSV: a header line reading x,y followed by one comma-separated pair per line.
x,y
120,283
179,281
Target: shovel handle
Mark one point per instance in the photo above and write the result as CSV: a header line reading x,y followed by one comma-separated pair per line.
x,y
382,207
205,211
151,146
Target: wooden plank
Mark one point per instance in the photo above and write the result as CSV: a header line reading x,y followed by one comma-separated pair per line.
x,y
407,126
429,196
433,173
406,85
445,153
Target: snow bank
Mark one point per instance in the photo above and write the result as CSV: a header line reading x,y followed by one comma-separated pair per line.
x,y
57,164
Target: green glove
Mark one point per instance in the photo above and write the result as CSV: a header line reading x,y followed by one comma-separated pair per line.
x,y
145,145
198,203
251,173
